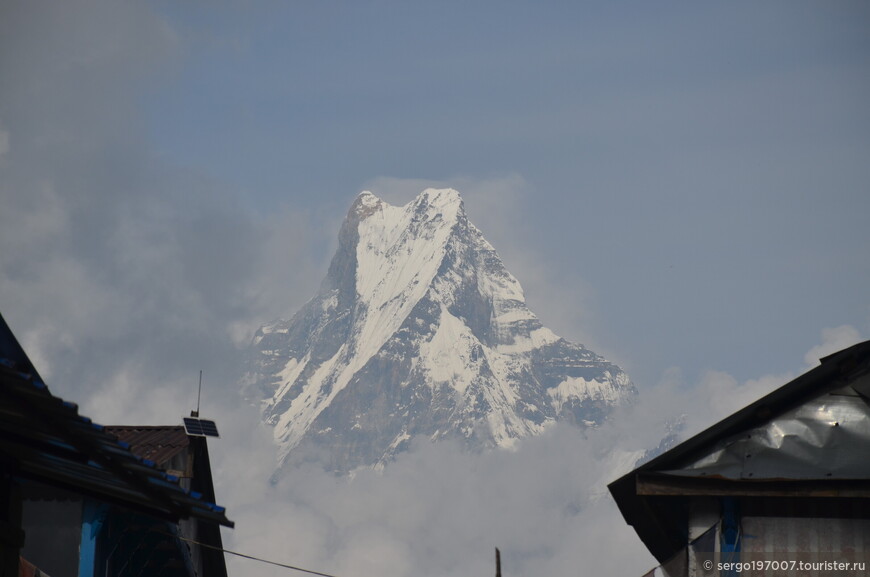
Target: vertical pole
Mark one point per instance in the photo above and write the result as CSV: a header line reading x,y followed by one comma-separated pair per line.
x,y
497,562
88,547
729,542
199,392
93,515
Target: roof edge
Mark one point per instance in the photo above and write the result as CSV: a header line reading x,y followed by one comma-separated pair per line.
x,y
848,363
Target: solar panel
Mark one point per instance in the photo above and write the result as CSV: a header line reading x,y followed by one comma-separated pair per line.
x,y
200,427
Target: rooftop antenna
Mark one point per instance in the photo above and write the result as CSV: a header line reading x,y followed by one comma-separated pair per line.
x,y
198,396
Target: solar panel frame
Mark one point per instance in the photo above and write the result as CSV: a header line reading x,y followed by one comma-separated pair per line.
x,y
192,427
200,427
209,428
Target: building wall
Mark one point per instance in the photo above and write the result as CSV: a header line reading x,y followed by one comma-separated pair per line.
x,y
803,535
52,523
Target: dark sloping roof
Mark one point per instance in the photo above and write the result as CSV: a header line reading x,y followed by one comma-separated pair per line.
x,y
13,353
43,438
156,443
652,527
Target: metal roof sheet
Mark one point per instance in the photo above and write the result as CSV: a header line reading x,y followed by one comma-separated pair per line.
x,y
156,443
835,371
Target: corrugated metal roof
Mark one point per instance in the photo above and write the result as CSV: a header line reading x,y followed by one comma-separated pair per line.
x,y
43,438
660,529
156,443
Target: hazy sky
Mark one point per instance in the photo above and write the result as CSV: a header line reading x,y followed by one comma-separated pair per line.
x,y
683,187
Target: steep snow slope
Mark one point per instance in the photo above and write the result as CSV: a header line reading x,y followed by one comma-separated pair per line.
x,y
418,330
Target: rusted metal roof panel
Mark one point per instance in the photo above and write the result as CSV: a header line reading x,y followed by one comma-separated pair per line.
x,y
155,443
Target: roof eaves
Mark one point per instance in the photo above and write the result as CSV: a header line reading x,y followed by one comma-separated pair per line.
x,y
830,374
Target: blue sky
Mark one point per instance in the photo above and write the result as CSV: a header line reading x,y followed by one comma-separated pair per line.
x,y
702,168
271,98
683,187
675,185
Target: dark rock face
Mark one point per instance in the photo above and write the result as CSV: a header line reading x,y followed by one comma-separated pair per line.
x,y
418,330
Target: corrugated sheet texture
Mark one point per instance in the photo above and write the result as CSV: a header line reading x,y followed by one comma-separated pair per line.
x,y
795,535
158,444
825,437
815,428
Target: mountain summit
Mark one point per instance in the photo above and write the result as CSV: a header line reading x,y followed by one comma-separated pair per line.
x,y
419,330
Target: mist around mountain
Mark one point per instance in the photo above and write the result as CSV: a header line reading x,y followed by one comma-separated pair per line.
x,y
419,331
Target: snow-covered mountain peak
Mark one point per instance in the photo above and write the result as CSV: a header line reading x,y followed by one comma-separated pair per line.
x,y
419,330
433,201
400,249
364,204
441,198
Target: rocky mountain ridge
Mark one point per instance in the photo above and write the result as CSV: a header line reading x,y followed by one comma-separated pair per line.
x,y
419,330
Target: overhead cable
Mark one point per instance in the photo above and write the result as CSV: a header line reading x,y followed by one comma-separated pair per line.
x,y
237,554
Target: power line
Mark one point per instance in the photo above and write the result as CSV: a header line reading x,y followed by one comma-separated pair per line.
x,y
236,553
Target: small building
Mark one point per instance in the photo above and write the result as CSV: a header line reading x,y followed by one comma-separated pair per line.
x,y
75,501
784,480
183,456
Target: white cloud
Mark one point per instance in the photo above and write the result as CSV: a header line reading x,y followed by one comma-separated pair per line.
x,y
833,340
122,274
440,511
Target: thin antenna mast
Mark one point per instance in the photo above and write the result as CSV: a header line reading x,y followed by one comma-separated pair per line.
x,y
196,427
198,394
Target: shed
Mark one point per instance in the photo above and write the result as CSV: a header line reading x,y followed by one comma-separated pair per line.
x,y
186,457
786,479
